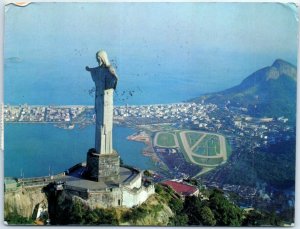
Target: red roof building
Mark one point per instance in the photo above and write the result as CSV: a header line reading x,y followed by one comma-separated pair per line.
x,y
182,189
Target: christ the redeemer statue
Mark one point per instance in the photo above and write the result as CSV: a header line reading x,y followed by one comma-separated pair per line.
x,y
105,79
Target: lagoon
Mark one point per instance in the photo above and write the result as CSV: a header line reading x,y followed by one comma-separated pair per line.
x,y
40,149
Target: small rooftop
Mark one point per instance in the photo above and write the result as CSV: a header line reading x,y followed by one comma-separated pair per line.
x,y
181,188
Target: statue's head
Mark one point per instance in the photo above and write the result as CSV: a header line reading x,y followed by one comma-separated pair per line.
x,y
102,58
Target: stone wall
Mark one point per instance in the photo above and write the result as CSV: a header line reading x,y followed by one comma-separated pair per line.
x,y
113,197
105,199
103,166
95,199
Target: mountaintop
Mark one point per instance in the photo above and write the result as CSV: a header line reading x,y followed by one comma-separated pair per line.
x,y
268,92
279,68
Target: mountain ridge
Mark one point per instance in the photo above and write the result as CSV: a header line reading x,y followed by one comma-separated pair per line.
x,y
268,92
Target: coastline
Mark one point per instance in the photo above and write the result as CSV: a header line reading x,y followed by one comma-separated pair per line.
x,y
142,136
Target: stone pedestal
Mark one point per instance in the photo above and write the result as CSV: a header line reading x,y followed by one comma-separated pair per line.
x,y
102,166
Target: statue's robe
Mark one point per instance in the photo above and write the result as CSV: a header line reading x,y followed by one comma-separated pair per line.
x,y
106,81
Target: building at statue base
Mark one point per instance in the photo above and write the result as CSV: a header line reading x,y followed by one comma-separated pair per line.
x,y
30,196
102,166
126,189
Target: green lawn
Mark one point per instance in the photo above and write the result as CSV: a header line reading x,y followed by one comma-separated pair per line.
x,y
201,151
209,146
193,137
166,139
212,151
206,151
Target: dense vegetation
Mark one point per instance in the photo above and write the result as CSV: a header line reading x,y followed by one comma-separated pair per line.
x,y
15,219
217,211
136,215
214,209
76,212
277,164
67,211
274,165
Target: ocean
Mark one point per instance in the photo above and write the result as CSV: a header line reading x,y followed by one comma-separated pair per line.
x,y
29,82
36,149
42,149
68,83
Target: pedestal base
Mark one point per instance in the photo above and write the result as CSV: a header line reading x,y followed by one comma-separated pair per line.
x,y
102,166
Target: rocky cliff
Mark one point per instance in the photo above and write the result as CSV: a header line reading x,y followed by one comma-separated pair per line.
x,y
25,202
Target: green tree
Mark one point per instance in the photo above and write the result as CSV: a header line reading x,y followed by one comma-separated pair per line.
x,y
192,207
106,216
158,189
207,217
192,181
253,218
77,213
179,220
15,219
216,211
225,212
176,205
135,214
92,218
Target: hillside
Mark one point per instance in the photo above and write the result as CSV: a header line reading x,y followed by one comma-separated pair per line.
x,y
164,208
268,92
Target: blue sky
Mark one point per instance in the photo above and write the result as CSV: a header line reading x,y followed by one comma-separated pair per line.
x,y
207,41
248,27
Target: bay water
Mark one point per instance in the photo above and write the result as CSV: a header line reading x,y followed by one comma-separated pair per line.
x,y
42,149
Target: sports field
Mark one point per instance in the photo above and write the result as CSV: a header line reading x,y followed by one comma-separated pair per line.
x,y
193,137
166,139
209,146
201,148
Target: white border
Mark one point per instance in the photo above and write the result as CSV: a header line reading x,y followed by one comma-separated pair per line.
x,y
217,1
5,2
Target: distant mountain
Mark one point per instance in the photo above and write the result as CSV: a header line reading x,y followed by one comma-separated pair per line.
x,y
268,92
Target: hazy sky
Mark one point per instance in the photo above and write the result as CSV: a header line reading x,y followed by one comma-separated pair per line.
x,y
203,40
149,28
